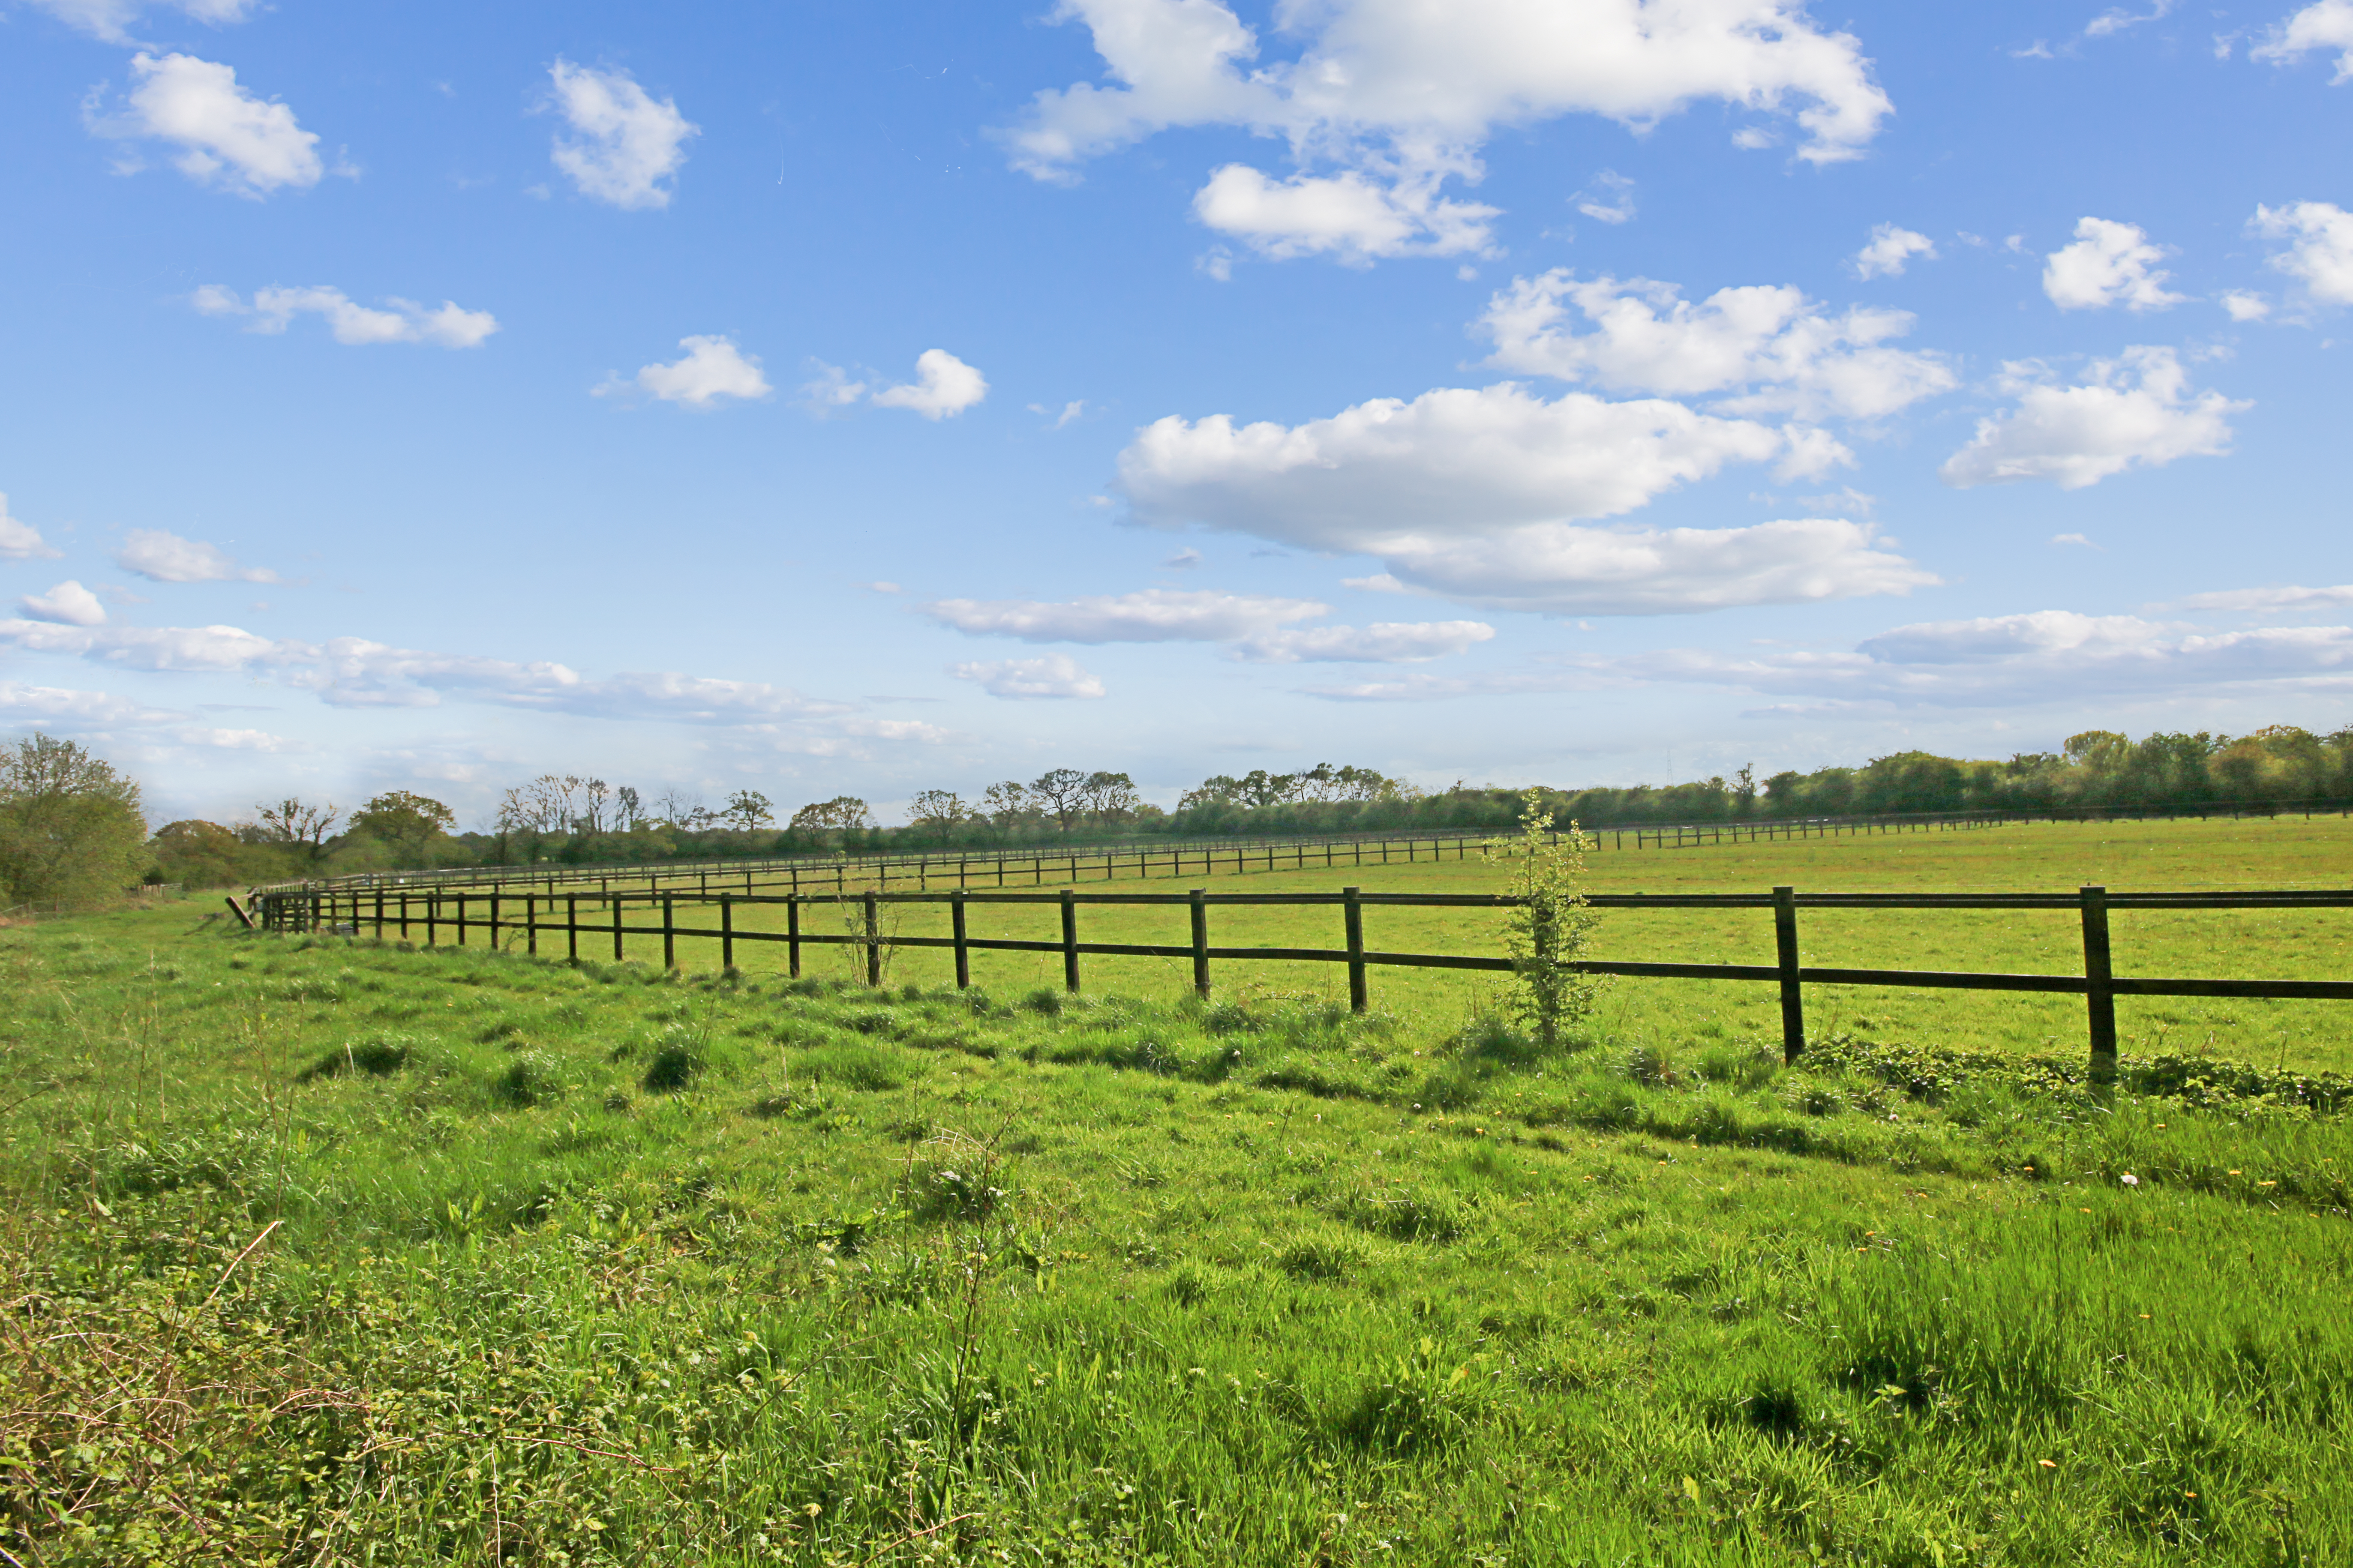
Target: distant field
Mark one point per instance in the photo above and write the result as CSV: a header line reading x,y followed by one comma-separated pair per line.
x,y
2123,856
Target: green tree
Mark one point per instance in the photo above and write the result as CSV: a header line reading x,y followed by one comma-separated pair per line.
x,y
71,828
748,810
1061,791
201,853
1548,929
408,823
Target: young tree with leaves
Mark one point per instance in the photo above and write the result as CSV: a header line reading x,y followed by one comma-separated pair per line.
x,y
1548,929
1061,791
70,829
748,810
406,822
296,823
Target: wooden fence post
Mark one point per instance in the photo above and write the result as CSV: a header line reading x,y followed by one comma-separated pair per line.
x,y
956,930
1352,903
2099,995
461,920
1785,950
379,914
494,920
873,941
432,914
793,934
1070,941
670,936
1200,912
531,923
571,927
726,932
404,914
615,898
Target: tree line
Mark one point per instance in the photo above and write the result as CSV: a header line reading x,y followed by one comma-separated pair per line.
x,y
73,831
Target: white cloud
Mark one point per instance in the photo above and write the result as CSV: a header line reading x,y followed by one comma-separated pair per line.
x,y
1403,95
355,672
273,310
2005,661
2269,601
1473,494
1453,461
629,142
1794,356
944,386
65,708
2244,305
2131,411
1054,675
20,541
2320,246
831,389
2109,264
68,604
712,371
1347,216
162,557
1560,569
2117,19
109,20
1890,250
229,138
1153,615
2327,25
1383,642
1255,625
1618,206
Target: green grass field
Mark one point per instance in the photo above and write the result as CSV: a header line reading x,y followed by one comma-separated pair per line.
x,y
2126,857
324,1251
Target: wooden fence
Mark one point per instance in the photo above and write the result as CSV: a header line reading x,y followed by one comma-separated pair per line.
x,y
391,913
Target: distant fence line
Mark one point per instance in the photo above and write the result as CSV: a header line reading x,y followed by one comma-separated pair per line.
x,y
347,910
1000,867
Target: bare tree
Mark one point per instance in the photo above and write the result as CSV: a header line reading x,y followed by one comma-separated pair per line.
x,y
594,795
291,821
942,811
627,809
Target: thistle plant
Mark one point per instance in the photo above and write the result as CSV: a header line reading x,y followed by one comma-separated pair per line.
x,y
1551,922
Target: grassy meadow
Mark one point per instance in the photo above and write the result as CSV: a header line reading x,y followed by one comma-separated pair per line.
x,y
2040,857
320,1250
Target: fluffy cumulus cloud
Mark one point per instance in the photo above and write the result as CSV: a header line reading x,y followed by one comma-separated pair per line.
x,y
1347,216
2133,411
625,143
712,372
58,707
110,20
1383,100
229,139
943,387
273,310
2325,26
2319,253
68,604
20,541
162,557
1478,495
2109,264
1759,350
1891,249
1256,627
1056,675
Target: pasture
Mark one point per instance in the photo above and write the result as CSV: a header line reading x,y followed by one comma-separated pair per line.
x,y
320,1250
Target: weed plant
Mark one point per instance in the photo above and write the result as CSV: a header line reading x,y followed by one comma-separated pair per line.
x,y
322,1251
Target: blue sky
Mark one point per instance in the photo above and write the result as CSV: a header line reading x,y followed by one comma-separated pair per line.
x,y
871,397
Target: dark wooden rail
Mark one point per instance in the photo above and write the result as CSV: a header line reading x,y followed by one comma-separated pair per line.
x,y
391,911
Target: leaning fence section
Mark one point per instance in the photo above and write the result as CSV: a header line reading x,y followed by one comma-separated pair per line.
x,y
434,915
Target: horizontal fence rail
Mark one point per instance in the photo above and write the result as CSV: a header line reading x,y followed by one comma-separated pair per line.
x,y
1001,867
399,912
